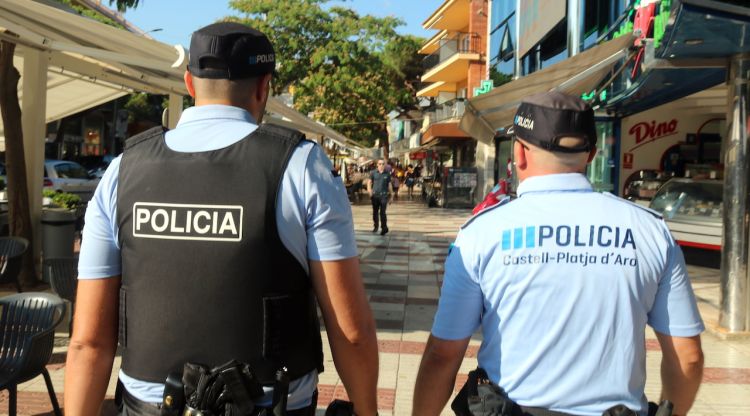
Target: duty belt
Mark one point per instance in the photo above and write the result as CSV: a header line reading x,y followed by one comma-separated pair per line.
x,y
480,397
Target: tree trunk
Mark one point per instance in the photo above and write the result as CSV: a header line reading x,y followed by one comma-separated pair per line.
x,y
19,214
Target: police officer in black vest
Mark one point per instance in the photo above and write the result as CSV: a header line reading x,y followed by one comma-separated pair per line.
x,y
208,246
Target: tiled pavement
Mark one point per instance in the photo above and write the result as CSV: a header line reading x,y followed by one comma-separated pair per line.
x,y
402,272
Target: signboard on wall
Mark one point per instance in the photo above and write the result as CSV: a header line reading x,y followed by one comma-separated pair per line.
x,y
650,138
537,18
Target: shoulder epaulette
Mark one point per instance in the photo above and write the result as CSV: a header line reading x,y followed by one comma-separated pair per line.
x,y
647,209
500,203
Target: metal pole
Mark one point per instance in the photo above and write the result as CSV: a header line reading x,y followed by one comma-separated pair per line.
x,y
575,16
518,67
735,296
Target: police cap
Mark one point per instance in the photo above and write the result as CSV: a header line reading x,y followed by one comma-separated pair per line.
x,y
553,121
228,50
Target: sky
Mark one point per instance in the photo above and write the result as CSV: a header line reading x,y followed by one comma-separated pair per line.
x,y
177,19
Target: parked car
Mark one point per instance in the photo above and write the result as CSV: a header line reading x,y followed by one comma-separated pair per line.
x,y
67,176
95,165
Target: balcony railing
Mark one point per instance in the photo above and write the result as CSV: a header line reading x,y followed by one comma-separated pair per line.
x,y
460,43
448,110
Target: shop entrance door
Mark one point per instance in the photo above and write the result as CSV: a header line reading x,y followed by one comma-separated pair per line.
x,y
602,171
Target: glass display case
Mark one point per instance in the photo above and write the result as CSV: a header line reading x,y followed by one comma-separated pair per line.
x,y
692,209
641,186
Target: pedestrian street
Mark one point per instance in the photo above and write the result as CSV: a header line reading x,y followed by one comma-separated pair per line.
x,y
402,272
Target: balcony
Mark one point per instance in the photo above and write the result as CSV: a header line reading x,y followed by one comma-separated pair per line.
x,y
450,62
451,15
449,110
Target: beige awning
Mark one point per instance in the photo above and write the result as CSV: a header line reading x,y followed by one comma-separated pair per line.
x,y
489,112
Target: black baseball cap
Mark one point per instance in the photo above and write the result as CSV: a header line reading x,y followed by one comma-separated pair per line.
x,y
544,119
228,50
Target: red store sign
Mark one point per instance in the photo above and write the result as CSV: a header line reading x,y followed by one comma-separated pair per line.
x,y
651,131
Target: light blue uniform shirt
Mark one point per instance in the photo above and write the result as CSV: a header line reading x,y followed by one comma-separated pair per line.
x,y
312,213
563,282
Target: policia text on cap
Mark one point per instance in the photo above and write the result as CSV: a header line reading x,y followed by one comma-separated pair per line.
x,y
562,288
225,266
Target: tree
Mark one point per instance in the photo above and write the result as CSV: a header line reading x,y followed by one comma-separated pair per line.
x,y
123,5
345,69
19,214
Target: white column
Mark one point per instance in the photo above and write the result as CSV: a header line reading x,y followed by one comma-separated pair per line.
x,y
34,109
175,110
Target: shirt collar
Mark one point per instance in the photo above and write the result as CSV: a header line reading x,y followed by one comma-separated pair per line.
x,y
214,112
561,182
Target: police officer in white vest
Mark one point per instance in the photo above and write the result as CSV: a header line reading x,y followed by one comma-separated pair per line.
x,y
562,282
214,242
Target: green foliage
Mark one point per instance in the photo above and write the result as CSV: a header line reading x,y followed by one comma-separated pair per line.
x,y
499,78
62,199
144,106
85,11
123,5
342,67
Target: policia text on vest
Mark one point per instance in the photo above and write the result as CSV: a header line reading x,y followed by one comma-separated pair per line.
x,y
187,222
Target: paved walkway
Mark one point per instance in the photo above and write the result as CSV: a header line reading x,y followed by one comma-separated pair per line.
x,y
402,272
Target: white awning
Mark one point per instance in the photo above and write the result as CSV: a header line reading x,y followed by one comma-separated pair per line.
x,y
68,94
91,63
489,112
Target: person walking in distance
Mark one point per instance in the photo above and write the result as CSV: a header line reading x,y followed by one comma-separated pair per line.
x,y
562,282
379,187
220,275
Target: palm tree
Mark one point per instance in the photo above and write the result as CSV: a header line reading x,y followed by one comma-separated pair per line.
x,y
123,5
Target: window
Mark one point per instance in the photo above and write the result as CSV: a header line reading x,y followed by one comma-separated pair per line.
x,y
599,17
502,35
71,171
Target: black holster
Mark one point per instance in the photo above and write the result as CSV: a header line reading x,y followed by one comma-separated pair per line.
x,y
481,397
340,408
227,390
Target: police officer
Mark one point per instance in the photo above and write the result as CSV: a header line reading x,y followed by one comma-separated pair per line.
x,y
212,241
379,187
562,282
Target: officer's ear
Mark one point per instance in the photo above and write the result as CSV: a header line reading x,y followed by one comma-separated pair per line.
x,y
263,87
188,77
519,155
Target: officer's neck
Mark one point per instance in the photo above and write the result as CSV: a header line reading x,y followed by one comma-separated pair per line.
x,y
255,109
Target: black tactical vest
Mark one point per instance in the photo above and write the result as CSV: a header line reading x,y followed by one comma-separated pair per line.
x,y
205,276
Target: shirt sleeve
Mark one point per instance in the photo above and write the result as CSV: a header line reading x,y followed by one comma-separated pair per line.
x,y
329,225
100,254
675,311
460,306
